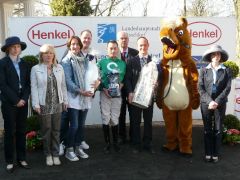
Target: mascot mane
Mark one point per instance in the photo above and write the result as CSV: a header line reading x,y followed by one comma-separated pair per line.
x,y
176,39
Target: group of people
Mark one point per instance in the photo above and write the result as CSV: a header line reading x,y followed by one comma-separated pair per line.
x,y
58,96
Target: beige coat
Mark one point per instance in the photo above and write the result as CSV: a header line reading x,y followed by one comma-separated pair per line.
x,y
39,84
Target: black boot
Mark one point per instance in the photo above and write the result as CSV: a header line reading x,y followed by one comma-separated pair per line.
x,y
106,138
115,138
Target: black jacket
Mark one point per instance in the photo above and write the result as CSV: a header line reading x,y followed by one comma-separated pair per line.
x,y
223,84
133,72
9,81
131,53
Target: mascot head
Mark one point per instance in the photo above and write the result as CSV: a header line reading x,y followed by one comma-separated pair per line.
x,y
175,38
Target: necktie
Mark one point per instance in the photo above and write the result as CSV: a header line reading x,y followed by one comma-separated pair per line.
x,y
123,54
143,61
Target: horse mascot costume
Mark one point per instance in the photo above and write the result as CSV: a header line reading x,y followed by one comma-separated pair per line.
x,y
177,93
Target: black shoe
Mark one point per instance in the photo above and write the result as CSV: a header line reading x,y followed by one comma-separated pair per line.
x,y
23,164
208,158
149,150
136,151
107,149
10,168
122,141
215,159
116,148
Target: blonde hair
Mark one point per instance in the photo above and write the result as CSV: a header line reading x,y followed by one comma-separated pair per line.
x,y
47,48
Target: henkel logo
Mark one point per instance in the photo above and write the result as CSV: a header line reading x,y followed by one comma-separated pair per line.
x,y
51,32
204,33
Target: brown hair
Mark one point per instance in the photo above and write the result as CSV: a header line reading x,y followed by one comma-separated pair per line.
x,y
74,37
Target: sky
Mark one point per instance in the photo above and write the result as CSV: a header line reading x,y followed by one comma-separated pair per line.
x,y
161,8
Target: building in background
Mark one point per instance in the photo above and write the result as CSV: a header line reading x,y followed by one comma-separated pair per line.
x,y
6,11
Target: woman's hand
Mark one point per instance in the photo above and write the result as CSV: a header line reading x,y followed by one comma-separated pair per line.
x,y
86,93
37,110
96,84
212,105
65,106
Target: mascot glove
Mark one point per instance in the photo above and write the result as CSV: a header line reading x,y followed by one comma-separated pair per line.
x,y
195,102
159,102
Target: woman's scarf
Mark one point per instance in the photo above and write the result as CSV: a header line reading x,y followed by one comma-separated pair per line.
x,y
79,65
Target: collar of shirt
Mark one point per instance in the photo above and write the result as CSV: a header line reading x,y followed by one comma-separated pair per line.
x,y
214,71
124,50
84,53
146,56
221,66
14,60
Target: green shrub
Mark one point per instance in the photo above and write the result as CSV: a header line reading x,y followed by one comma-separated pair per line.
x,y
233,66
31,60
32,123
231,122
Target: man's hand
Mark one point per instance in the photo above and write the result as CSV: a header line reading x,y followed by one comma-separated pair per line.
x,y
21,103
106,92
130,98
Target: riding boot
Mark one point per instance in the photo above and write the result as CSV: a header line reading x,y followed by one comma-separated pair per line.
x,y
106,133
115,138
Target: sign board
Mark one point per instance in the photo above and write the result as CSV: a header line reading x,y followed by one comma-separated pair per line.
x,y
36,31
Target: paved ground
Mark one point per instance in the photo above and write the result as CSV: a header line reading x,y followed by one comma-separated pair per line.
x,y
129,166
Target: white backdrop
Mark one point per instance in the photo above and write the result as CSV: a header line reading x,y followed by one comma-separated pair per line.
x,y
36,31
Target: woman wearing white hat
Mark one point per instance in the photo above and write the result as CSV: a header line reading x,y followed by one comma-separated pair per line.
x,y
214,87
15,91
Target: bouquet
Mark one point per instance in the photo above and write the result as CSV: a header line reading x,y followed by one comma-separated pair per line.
x,y
231,136
33,140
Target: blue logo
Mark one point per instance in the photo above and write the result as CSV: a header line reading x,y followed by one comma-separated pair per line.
x,y
106,32
199,62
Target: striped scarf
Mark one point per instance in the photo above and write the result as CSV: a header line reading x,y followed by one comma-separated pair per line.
x,y
79,65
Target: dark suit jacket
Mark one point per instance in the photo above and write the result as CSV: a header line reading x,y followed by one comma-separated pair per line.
x,y
223,84
131,53
133,72
9,81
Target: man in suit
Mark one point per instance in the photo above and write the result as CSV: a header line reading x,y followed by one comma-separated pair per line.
x,y
126,53
134,67
15,91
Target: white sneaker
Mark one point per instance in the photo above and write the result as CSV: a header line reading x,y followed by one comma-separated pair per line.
x,y
61,149
79,152
84,145
70,155
56,161
49,161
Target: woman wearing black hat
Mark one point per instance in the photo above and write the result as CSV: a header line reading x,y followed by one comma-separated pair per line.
x,y
15,90
214,87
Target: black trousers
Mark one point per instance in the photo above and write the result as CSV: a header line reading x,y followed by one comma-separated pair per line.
x,y
14,132
122,117
213,122
136,116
